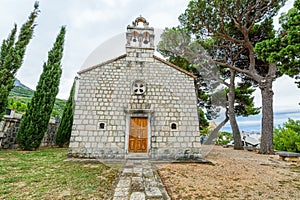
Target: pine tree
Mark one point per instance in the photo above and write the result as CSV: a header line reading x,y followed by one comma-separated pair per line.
x,y
35,122
11,56
65,128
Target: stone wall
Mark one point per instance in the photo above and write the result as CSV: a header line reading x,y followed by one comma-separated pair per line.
x,y
105,96
9,127
50,135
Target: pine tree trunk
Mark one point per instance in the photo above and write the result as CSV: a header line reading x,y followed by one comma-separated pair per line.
x,y
234,126
214,133
266,146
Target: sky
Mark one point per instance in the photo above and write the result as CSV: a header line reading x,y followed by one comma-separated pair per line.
x,y
90,23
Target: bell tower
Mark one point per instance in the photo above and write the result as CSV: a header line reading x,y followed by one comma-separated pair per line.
x,y
139,37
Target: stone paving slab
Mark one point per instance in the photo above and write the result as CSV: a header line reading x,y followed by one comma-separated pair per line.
x,y
137,196
140,181
153,192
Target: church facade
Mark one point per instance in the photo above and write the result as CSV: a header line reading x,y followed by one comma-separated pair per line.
x,y
136,103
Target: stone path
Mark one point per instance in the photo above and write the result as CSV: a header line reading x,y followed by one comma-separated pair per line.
x,y
139,181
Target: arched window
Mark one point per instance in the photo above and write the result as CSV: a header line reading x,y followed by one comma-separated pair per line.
x,y
102,126
146,37
135,36
174,126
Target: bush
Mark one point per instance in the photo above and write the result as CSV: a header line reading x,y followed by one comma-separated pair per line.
x,y
287,137
224,138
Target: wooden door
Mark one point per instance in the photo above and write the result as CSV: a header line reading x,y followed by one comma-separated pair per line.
x,y
138,135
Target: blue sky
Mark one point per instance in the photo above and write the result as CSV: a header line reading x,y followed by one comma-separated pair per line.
x,y
90,23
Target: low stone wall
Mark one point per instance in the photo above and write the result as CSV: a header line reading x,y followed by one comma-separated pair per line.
x,y
50,135
9,127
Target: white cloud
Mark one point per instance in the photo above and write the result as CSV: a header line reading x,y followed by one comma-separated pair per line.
x,y
286,95
89,24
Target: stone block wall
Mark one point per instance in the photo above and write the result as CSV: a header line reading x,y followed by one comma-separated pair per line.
x,y
50,135
105,96
9,127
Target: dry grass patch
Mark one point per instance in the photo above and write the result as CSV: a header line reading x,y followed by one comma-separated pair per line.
x,y
235,175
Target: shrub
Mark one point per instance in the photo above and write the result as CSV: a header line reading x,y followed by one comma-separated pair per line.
x,y
224,138
287,137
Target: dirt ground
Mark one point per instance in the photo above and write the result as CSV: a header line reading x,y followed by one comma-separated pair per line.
x,y
234,175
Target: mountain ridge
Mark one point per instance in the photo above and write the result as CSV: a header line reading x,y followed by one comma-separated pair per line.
x,y
18,83
21,95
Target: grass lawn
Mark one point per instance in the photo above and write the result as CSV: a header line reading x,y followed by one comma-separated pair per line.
x,y
42,174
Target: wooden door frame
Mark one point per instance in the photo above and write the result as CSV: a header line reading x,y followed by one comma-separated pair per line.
x,y
138,127
128,117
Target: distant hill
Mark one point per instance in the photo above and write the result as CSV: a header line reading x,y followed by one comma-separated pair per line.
x,y
21,95
18,83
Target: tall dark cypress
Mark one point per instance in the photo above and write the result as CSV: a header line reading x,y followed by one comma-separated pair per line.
x,y
35,122
11,56
65,128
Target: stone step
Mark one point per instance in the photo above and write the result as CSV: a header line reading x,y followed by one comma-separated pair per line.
x,y
137,156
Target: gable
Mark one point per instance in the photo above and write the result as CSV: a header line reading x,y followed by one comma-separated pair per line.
x,y
125,55
174,66
101,64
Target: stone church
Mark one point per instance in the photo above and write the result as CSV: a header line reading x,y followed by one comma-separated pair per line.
x,y
135,104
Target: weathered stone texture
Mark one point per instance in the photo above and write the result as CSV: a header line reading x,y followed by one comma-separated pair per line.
x,y
9,127
105,96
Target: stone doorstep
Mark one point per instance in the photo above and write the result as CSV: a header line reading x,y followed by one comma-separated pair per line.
x,y
137,156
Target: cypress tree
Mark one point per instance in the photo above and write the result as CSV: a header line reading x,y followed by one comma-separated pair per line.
x,y
11,56
35,122
65,128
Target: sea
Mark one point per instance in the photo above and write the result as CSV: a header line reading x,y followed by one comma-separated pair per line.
x,y
253,123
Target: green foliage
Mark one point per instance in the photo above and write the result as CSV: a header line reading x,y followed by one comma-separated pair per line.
x,y
181,39
224,138
174,43
20,95
244,105
58,108
287,137
11,56
219,18
65,128
203,123
284,49
17,106
35,122
230,24
19,91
